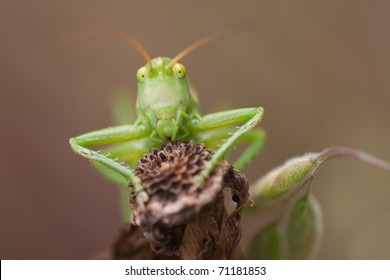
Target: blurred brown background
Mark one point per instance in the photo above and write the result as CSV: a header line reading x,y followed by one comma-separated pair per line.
x,y
319,68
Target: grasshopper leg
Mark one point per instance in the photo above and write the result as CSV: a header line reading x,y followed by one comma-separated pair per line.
x,y
80,145
129,153
125,153
249,117
180,116
255,137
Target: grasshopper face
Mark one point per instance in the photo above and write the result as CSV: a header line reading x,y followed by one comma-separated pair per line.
x,y
163,91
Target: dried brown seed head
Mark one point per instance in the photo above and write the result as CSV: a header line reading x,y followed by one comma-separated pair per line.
x,y
170,205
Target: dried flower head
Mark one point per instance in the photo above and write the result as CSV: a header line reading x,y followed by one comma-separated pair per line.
x,y
171,207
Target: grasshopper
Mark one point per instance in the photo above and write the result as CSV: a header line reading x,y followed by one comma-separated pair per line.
x,y
167,109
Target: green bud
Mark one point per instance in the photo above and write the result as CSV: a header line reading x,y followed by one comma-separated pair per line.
x,y
286,179
286,220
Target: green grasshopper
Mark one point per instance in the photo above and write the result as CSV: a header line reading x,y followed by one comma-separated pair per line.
x,y
167,110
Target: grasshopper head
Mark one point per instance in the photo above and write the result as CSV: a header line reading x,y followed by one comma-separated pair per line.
x,y
163,90
163,87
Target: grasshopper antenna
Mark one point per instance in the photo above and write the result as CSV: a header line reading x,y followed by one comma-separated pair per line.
x,y
121,35
208,38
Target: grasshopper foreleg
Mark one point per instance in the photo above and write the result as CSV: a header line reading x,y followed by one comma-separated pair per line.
x,y
80,145
249,117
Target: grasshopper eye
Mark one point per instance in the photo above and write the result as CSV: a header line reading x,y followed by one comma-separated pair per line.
x,y
141,74
180,70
